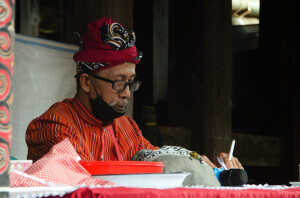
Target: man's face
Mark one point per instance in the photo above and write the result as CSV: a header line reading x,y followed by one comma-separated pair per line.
x,y
118,100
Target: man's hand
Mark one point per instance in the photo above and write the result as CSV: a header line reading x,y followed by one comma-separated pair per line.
x,y
233,163
234,176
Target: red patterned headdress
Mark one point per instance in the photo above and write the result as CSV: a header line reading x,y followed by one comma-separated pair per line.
x,y
106,44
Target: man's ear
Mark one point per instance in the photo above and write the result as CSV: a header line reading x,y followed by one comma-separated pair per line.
x,y
85,82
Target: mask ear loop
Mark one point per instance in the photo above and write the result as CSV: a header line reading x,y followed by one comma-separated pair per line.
x,y
93,86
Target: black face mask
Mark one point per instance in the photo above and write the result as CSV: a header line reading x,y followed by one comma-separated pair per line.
x,y
103,111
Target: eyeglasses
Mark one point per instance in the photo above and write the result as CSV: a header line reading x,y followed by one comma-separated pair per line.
x,y
120,85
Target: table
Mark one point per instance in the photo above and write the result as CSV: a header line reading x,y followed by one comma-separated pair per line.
x,y
251,191
120,192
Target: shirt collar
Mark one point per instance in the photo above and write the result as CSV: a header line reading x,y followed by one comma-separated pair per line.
x,y
85,114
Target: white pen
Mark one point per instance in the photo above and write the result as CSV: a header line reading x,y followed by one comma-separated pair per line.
x,y
231,149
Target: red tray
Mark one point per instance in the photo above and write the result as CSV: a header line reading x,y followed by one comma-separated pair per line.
x,y
121,167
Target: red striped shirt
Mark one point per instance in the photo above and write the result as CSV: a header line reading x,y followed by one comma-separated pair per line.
x,y
92,141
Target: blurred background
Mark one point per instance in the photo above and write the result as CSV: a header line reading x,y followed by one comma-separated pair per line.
x,y
212,71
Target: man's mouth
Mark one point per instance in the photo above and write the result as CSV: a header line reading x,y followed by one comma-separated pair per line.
x,y
121,108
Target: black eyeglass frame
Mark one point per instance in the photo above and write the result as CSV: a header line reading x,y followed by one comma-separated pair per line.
x,y
129,83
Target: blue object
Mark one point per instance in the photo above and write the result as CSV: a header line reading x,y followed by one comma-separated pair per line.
x,y
13,158
217,172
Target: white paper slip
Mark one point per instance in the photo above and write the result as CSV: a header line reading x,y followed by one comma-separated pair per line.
x,y
295,184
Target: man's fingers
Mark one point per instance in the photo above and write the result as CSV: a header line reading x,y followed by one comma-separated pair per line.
x,y
223,155
228,163
208,161
239,165
233,161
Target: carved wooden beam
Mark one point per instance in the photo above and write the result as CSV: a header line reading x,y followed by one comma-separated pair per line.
x,y
6,71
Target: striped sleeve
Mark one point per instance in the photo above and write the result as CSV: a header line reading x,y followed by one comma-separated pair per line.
x,y
47,130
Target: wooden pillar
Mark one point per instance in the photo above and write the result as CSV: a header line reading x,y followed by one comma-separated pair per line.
x,y
160,50
211,114
6,71
290,85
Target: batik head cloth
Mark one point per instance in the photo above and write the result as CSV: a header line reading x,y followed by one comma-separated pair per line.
x,y
106,44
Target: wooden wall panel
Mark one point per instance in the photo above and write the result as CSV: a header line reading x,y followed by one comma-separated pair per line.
x,y
78,13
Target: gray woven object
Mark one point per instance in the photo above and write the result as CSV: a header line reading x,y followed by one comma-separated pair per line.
x,y
179,159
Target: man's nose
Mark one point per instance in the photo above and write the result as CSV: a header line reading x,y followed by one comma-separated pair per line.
x,y
125,93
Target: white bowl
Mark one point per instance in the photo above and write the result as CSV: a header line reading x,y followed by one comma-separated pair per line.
x,y
151,180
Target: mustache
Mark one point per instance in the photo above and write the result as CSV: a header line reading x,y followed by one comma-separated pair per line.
x,y
121,104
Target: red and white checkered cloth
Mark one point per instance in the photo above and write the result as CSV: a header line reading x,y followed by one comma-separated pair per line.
x,y
59,167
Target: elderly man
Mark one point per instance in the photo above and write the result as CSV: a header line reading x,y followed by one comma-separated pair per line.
x,y
94,119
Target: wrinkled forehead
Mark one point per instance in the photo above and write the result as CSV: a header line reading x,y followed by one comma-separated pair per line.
x,y
126,70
